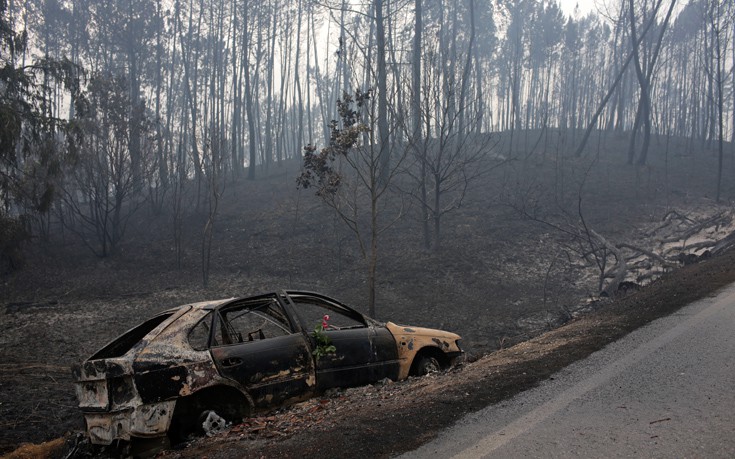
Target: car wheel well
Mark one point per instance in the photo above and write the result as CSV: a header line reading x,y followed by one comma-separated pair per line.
x,y
226,401
425,353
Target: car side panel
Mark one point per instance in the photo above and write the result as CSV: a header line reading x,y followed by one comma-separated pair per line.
x,y
362,356
273,371
385,351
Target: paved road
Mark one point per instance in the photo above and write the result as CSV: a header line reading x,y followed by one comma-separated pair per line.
x,y
666,390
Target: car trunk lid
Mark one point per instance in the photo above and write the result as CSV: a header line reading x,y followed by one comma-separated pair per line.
x,y
104,384
105,381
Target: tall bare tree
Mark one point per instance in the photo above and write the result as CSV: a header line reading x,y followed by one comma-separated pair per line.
x,y
716,14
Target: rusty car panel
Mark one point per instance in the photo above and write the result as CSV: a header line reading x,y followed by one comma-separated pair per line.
x,y
237,355
272,370
149,420
413,340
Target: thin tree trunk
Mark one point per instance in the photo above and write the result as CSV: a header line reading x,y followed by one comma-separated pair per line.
x,y
417,141
385,155
645,83
249,112
269,84
601,106
236,101
466,77
299,98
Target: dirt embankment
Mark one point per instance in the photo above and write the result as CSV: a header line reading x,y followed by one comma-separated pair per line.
x,y
383,420
389,418
498,279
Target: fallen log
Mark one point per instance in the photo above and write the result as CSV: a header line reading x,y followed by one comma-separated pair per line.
x,y
621,267
724,244
715,220
648,253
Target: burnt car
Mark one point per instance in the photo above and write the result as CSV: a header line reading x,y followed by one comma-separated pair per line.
x,y
236,356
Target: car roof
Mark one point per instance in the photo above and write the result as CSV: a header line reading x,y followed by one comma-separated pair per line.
x,y
211,305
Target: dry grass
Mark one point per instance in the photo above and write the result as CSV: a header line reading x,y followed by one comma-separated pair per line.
x,y
45,450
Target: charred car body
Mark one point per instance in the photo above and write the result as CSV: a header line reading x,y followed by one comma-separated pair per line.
x,y
235,356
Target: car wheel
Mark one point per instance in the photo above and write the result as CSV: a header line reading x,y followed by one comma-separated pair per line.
x,y
212,423
427,364
228,405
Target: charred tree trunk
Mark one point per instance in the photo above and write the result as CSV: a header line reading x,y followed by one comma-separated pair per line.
x,y
383,130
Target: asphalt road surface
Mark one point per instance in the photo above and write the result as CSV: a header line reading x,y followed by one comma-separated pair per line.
x,y
666,390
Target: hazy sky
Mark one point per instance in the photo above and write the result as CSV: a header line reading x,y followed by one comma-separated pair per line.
x,y
585,6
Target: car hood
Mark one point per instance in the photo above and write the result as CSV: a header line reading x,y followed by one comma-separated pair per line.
x,y
421,331
443,339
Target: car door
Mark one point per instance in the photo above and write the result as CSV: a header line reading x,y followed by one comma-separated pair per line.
x,y
254,343
364,352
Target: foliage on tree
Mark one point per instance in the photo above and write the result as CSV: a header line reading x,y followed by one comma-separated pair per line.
x,y
348,177
13,235
34,142
320,169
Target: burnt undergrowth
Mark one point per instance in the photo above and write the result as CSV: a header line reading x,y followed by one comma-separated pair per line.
x,y
498,279
413,416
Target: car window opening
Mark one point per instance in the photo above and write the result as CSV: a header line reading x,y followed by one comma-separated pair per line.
x,y
248,323
124,343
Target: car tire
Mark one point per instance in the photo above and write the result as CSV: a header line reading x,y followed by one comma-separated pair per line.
x,y
427,364
212,423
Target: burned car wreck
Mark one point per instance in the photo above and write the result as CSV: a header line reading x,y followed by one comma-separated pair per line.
x,y
170,374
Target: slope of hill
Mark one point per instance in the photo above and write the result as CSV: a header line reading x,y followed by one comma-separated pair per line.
x,y
499,277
